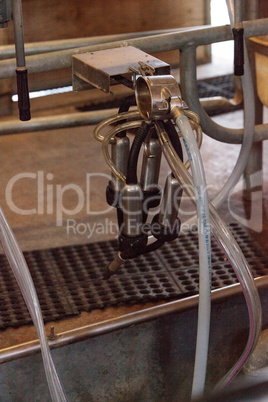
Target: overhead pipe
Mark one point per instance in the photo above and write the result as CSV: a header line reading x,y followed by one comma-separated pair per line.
x,y
80,119
152,44
55,122
8,51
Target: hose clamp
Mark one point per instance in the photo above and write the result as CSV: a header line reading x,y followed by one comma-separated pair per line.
x,y
157,95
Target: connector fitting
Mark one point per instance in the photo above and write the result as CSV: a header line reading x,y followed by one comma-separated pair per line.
x,y
154,95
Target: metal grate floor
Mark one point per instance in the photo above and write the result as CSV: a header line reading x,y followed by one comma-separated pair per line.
x,y
69,280
218,86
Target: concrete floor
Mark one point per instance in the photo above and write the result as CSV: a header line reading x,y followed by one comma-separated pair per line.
x,y
54,159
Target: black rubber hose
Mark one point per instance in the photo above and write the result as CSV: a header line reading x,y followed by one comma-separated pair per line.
x,y
154,246
148,249
134,152
127,103
238,51
174,138
120,218
124,107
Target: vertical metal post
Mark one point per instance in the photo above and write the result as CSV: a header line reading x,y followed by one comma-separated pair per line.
x,y
252,9
21,71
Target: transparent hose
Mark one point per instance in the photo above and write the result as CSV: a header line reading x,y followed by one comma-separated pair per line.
x,y
23,277
240,266
201,197
111,120
194,122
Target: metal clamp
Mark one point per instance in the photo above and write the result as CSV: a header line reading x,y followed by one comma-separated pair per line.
x,y
156,94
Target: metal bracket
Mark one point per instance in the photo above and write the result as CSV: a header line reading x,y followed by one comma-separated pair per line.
x,y
102,68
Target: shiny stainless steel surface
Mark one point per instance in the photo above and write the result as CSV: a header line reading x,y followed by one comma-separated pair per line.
x,y
119,155
170,203
99,68
150,164
116,263
153,95
132,209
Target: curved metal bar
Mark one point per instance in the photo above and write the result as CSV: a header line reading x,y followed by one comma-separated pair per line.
x,y
189,92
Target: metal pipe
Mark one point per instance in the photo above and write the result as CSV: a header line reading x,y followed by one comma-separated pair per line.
x,y
253,173
152,44
55,122
8,51
190,95
216,103
95,117
18,32
21,71
127,320
252,10
239,12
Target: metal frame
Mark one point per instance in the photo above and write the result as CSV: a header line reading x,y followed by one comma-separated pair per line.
x,y
186,42
153,44
125,321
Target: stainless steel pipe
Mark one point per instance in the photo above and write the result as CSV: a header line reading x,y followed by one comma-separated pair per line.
x,y
95,117
18,32
135,318
8,51
152,44
190,95
55,122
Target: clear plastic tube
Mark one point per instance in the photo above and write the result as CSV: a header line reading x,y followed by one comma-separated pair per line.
x,y
201,198
194,122
111,120
23,277
229,245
